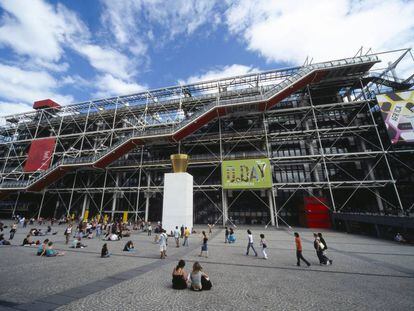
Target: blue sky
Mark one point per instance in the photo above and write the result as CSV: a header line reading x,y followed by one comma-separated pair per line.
x,y
73,51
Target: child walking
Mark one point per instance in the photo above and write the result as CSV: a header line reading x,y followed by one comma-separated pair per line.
x,y
263,244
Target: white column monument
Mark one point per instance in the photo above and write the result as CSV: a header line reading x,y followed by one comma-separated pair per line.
x,y
177,209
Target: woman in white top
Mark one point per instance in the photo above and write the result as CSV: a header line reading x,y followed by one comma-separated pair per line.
x,y
163,244
250,243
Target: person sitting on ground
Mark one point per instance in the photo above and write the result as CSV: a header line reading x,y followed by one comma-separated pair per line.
x,y
113,237
232,237
50,252
13,231
126,233
129,247
28,241
399,238
90,234
104,251
41,250
77,243
199,279
179,276
3,241
36,232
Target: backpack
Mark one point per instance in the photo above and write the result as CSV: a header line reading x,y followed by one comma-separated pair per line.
x,y
206,283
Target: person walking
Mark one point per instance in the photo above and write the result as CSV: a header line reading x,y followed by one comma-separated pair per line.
x,y
324,248
317,247
204,247
21,220
210,229
149,229
163,244
226,235
68,233
182,231
299,255
177,236
250,243
263,244
186,236
13,231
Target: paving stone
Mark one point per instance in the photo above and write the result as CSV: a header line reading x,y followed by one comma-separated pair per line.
x,y
367,274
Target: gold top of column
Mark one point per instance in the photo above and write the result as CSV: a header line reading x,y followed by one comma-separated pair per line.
x,y
179,162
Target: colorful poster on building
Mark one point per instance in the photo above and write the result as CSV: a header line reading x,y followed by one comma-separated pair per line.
x,y
397,110
246,174
40,154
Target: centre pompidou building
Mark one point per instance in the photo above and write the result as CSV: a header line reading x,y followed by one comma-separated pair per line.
x,y
320,126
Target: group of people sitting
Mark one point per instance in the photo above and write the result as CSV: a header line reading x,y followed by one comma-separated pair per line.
x,y
197,280
39,232
46,249
129,247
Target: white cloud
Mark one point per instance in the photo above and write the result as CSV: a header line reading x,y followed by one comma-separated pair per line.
x,y
289,31
220,72
7,108
51,66
107,60
137,21
108,85
36,29
40,34
24,86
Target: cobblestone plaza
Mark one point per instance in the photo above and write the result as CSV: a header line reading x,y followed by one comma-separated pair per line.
x,y
367,274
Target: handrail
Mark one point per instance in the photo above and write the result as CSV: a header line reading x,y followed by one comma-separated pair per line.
x,y
269,94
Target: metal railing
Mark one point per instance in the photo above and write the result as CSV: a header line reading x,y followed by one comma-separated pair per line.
x,y
170,130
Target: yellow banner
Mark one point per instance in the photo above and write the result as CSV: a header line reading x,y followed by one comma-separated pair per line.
x,y
246,174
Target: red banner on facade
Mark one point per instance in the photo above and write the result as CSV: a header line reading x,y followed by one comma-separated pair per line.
x,y
315,213
40,154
